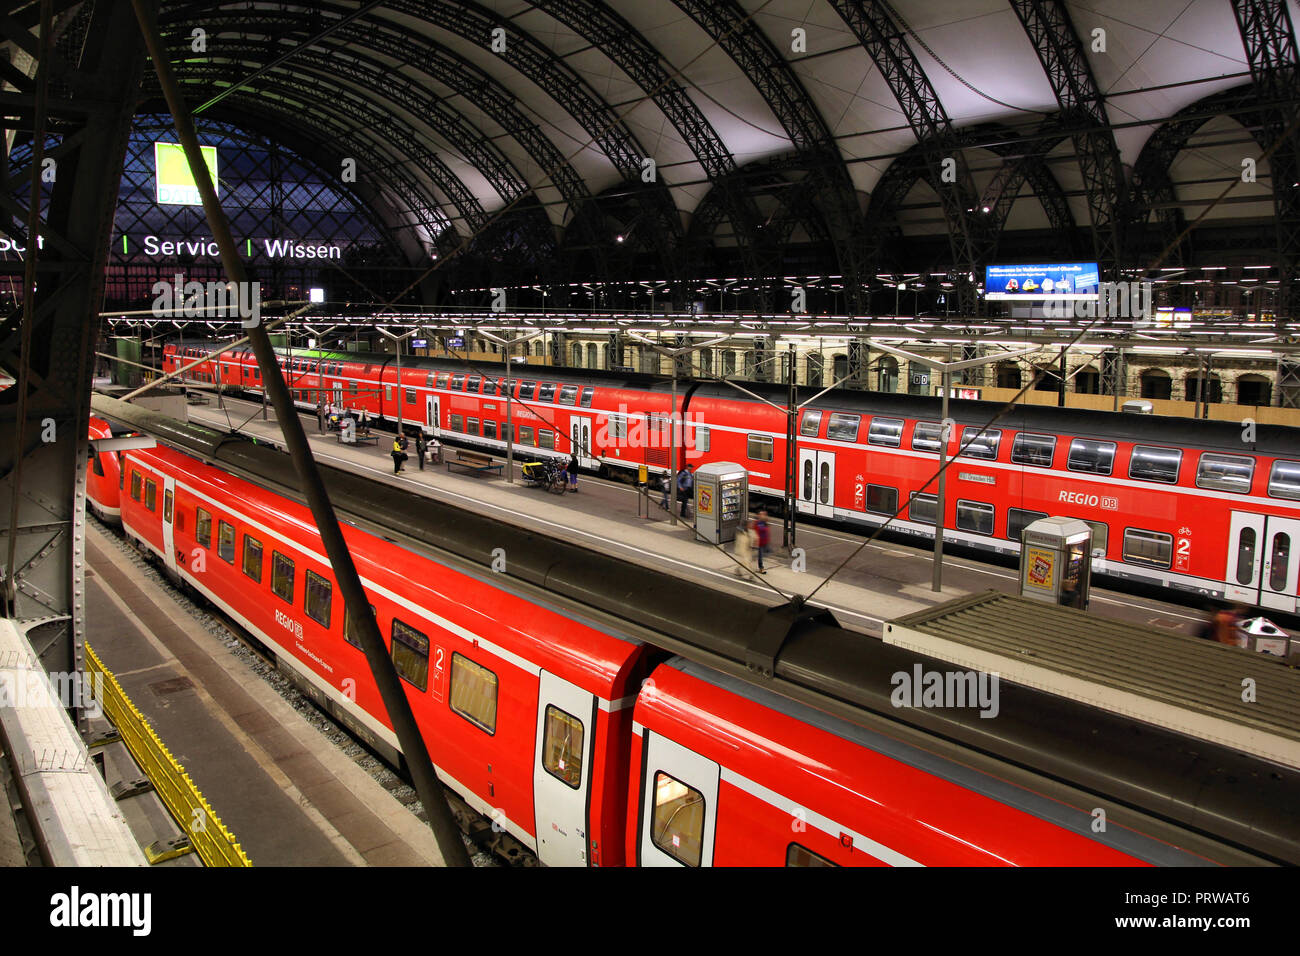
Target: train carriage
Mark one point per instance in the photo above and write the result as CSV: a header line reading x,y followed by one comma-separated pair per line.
x,y
1208,508
104,477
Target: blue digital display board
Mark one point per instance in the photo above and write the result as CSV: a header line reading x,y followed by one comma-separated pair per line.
x,y
1069,280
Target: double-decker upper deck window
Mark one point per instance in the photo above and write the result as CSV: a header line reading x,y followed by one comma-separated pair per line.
x,y
568,394
526,390
1031,449
546,393
886,431
1225,473
588,393
472,383
457,383
760,447
980,444
1153,463
1284,480
843,427
926,436
1093,457
811,424
282,576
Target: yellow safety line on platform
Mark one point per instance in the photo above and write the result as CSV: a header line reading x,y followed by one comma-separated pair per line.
x,y
215,844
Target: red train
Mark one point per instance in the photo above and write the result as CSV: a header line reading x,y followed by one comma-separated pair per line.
x,y
592,747
104,477
1211,508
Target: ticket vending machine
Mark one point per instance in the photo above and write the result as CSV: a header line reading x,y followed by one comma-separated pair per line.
x,y
721,500
1056,561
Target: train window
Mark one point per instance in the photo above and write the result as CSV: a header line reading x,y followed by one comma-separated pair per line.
x,y
796,855
352,388
882,499
923,508
588,394
1018,519
545,438
546,393
388,393
429,380
410,654
568,394
150,493
843,427
316,600
226,542
203,527
617,426
167,505
697,437
253,558
349,629
1284,480
976,443
1279,562
526,435
886,431
760,448
1155,464
1225,473
458,423
282,576
489,429
121,472
562,747
410,396
1100,534
1094,457
1151,548
1246,543
811,424
442,379
471,426
974,516
526,390
96,465
926,436
457,382
677,826
1031,449
474,693
137,483
472,383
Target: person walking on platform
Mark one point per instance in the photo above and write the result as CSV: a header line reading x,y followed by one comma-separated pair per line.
x,y
320,417
763,534
663,484
399,455
744,548
685,487
420,448
1226,626
572,469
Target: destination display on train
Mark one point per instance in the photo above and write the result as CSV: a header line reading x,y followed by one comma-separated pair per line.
x,y
1068,280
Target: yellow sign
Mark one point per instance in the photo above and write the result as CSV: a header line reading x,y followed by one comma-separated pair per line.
x,y
1040,569
704,502
174,182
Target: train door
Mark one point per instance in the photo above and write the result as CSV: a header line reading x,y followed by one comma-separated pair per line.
x,y
679,805
816,481
431,418
168,517
1263,564
566,731
580,436
338,394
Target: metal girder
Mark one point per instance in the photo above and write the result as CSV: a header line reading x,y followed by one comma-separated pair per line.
x,y
1050,30
735,31
619,40
566,87
98,61
1269,39
872,22
1288,383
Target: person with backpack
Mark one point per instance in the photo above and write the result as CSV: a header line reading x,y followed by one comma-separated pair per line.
x,y
572,469
763,534
685,487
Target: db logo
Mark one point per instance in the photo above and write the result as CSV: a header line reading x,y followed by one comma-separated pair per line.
x,y
1110,504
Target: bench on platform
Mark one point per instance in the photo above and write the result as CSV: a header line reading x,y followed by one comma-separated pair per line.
x,y
474,461
359,439
197,398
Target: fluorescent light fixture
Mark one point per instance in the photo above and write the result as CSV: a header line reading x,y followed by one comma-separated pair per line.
x,y
315,295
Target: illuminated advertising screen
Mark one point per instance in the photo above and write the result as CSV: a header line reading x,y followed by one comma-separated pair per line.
x,y
175,185
1069,280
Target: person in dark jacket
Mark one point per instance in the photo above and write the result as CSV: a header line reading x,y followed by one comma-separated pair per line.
x,y
764,535
685,488
421,446
572,469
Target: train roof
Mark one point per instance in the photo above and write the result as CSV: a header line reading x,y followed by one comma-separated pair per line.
x,y
1224,436
804,654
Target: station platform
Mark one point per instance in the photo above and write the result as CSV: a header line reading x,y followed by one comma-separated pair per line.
x,y
287,792
886,580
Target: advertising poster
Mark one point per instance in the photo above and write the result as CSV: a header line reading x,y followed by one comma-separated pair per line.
x,y
1040,569
1069,280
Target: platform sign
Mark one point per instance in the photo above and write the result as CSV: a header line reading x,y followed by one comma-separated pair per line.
x,y
1068,280
174,184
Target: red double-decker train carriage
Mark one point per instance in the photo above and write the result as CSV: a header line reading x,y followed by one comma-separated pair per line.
x,y
593,745
1206,507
